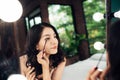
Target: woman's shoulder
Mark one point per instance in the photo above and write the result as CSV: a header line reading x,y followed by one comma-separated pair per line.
x,y
23,57
23,60
63,63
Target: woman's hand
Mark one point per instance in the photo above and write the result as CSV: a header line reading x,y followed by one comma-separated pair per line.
x,y
30,75
43,59
94,74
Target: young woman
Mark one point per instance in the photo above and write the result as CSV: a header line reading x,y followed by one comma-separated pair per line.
x,y
44,60
113,56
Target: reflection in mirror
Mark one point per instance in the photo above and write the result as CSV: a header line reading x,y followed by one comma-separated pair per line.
x,y
61,17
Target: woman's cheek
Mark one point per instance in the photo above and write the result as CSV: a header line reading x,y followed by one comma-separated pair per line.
x,y
51,51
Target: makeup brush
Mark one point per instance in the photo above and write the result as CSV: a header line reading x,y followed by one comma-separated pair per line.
x,y
44,46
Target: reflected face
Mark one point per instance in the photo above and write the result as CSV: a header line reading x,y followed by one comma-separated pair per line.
x,y
51,44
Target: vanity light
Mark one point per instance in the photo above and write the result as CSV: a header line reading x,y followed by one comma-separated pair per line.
x,y
10,10
98,16
98,45
117,14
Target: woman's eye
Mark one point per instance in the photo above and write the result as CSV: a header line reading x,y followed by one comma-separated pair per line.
x,y
55,36
47,38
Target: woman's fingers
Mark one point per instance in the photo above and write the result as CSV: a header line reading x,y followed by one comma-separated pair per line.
x,y
39,57
30,73
95,75
30,69
42,58
46,58
32,76
40,54
90,73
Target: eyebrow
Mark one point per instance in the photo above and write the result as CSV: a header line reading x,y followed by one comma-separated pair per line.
x,y
47,35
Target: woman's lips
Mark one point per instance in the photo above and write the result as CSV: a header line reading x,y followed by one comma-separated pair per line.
x,y
55,47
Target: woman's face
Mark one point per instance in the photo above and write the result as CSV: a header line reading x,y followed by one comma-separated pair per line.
x,y
51,46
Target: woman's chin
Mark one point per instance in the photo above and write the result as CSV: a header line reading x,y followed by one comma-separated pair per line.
x,y
54,52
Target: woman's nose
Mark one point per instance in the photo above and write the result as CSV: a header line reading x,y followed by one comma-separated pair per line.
x,y
53,40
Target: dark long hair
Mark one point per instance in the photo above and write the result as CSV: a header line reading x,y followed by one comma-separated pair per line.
x,y
34,35
114,50
8,65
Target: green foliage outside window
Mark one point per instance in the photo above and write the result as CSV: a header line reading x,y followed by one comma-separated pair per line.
x,y
96,30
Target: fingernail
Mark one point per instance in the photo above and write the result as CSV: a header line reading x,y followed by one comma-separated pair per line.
x,y
96,68
28,64
100,69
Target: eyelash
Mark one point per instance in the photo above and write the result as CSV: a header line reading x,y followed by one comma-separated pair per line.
x,y
49,37
55,36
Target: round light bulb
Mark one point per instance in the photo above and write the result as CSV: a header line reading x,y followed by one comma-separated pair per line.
x,y
98,16
98,45
117,14
10,10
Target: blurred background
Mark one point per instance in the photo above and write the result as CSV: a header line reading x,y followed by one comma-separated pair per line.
x,y
80,23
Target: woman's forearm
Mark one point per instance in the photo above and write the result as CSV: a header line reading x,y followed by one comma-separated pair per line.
x,y
46,73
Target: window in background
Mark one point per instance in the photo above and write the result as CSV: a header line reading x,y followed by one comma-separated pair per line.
x,y
33,18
